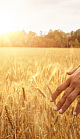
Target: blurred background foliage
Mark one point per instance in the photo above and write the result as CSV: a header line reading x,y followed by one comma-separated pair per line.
x,y
52,39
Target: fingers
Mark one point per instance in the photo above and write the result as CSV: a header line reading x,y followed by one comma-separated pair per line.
x,y
69,100
77,110
63,99
62,87
72,71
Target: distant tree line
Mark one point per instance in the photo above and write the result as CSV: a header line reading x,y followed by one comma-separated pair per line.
x,y
52,39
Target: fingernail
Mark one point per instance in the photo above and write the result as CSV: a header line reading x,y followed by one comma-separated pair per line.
x,y
55,108
74,113
51,99
68,71
60,111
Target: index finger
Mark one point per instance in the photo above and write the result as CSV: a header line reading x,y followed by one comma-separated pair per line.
x,y
60,88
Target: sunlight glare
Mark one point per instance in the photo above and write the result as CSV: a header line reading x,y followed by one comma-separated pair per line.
x,y
6,23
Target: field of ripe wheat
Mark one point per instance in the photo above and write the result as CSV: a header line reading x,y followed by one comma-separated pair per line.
x,y
28,77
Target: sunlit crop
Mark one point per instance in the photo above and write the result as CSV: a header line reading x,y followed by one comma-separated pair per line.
x,y
28,77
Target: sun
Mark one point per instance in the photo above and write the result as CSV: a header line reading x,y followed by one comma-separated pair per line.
x,y
6,23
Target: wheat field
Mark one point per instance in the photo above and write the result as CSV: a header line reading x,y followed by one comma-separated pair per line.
x,y
28,77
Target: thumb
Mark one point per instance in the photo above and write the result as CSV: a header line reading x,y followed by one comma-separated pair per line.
x,y
72,71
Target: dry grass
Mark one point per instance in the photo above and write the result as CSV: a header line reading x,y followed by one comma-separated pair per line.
x,y
28,77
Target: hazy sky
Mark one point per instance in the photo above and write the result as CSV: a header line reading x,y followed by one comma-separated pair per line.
x,y
36,15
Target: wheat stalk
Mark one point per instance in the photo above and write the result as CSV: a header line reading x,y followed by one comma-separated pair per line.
x,y
9,116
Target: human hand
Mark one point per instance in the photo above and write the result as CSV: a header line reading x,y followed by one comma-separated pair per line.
x,y
72,86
